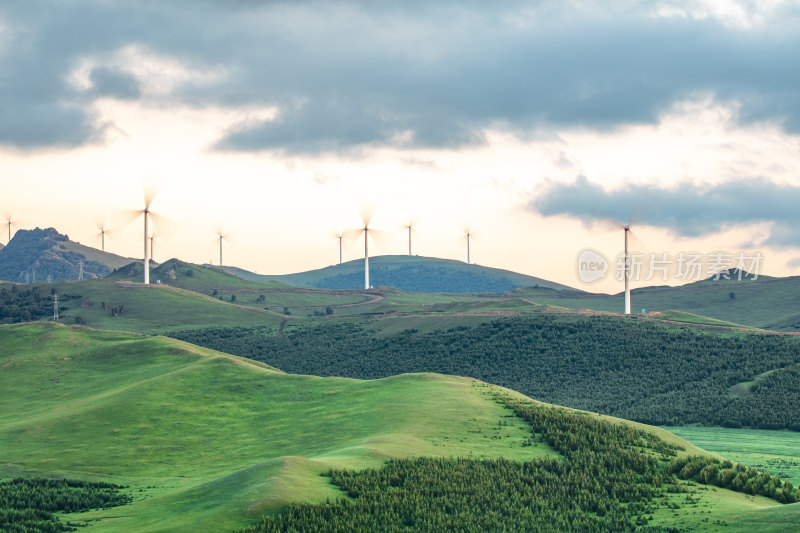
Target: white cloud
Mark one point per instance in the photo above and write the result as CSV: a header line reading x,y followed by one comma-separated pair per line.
x,y
157,74
740,14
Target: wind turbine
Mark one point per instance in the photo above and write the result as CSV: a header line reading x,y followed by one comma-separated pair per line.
x,y
163,223
366,217
103,229
627,273
9,220
221,236
410,226
153,235
627,257
469,233
339,235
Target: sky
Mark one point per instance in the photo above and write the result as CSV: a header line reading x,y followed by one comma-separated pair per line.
x,y
544,127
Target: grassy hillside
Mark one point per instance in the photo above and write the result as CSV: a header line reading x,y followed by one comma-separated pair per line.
x,y
215,440
212,442
408,273
125,306
637,369
189,276
770,303
777,452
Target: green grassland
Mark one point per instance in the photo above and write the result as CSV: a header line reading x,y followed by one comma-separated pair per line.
x,y
777,452
645,370
215,440
112,261
147,309
209,441
770,303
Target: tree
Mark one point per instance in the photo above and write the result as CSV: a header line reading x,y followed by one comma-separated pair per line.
x,y
233,297
732,295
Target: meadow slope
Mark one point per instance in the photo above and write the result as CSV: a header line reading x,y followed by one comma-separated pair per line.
x,y
212,441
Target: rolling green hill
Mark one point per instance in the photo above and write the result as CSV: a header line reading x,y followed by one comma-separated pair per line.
x,y
126,306
215,440
769,303
408,273
206,441
639,369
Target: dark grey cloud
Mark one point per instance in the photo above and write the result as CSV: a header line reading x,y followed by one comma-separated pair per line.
x,y
347,75
687,209
113,83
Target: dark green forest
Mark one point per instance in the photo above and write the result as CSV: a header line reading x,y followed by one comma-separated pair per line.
x,y
29,505
19,303
610,479
631,369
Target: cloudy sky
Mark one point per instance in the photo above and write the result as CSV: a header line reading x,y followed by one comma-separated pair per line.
x,y
542,125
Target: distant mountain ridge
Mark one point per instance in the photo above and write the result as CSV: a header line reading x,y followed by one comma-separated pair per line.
x,y
45,254
408,273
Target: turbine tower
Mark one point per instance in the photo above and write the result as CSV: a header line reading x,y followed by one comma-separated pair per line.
x,y
410,226
366,217
222,236
468,233
627,274
152,236
146,251
9,220
340,236
101,227
366,254
165,226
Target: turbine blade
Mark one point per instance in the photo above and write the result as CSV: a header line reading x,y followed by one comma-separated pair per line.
x,y
123,217
367,212
381,237
151,188
352,234
635,243
165,226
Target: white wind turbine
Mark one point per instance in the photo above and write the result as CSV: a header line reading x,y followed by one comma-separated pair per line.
x,y
469,234
9,221
627,262
339,235
410,226
103,230
366,218
164,224
627,273
222,236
